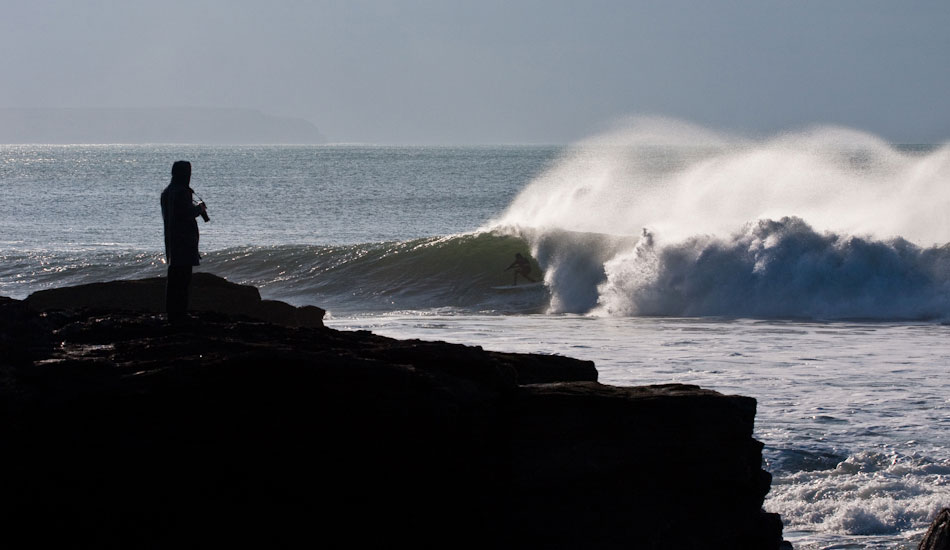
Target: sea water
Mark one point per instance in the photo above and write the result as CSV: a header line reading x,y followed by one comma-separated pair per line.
x,y
810,271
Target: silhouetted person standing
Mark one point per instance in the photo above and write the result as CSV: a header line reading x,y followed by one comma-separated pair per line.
x,y
181,238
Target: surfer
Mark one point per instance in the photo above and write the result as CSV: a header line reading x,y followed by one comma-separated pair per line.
x,y
522,267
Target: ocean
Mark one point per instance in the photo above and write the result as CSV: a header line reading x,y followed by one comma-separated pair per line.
x,y
809,270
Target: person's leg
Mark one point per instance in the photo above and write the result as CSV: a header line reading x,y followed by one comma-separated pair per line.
x,y
172,285
186,290
176,291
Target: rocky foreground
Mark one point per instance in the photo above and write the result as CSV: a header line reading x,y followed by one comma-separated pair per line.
x,y
118,431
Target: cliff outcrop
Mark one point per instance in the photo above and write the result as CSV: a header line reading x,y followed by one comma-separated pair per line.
x,y
118,431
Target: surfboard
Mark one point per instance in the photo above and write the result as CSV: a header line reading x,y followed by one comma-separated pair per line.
x,y
525,286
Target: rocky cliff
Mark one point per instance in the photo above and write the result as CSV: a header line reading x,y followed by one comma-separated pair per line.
x,y
118,431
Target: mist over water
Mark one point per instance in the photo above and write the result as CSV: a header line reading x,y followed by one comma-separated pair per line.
x,y
679,180
665,218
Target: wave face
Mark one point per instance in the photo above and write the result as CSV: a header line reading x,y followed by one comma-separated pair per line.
x,y
662,218
447,273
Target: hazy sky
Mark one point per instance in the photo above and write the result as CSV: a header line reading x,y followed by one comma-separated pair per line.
x,y
493,71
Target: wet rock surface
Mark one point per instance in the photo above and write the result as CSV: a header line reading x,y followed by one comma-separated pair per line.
x,y
937,536
118,431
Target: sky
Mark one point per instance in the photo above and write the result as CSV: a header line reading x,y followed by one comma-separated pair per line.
x,y
494,71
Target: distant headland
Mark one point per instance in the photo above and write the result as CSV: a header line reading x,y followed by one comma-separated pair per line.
x,y
153,125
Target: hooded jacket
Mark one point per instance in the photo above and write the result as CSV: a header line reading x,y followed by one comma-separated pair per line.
x,y
181,229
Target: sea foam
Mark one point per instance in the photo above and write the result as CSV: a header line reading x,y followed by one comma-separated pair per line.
x,y
825,223
869,493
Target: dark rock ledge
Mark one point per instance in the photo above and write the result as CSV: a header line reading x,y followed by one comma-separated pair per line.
x,y
117,431
937,536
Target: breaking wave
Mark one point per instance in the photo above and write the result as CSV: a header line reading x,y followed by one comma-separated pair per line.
x,y
768,269
663,218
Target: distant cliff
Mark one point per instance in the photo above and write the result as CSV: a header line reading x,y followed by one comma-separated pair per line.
x,y
157,125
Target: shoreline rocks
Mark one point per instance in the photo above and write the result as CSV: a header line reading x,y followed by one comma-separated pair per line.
x,y
937,536
120,431
208,293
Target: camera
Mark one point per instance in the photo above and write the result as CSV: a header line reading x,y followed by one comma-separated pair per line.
x,y
204,211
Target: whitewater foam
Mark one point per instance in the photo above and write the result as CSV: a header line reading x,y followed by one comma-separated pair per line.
x,y
828,223
869,493
779,268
